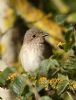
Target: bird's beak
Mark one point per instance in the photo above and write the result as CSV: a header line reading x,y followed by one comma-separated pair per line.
x,y
45,35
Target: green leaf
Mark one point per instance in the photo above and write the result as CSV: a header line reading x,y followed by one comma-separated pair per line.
x,y
69,38
46,98
27,96
70,64
61,87
67,96
70,68
49,67
60,19
18,84
4,75
71,17
63,77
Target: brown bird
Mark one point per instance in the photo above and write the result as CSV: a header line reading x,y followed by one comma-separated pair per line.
x,y
35,48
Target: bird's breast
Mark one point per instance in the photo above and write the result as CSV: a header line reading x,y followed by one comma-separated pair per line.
x,y
31,56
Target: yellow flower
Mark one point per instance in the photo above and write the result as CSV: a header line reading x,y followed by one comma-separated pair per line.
x,y
53,82
73,85
44,82
12,76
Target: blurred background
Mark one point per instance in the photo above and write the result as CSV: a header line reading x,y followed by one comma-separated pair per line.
x,y
17,16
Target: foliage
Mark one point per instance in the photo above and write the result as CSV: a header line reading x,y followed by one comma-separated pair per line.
x,y
55,79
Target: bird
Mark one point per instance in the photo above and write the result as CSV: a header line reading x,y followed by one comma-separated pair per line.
x,y
35,49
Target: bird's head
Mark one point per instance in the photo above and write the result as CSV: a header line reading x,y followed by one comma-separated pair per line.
x,y
34,34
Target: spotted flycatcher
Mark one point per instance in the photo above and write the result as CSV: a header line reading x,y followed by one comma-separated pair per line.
x,y
35,48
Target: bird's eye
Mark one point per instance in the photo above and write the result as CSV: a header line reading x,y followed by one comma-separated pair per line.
x,y
34,36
